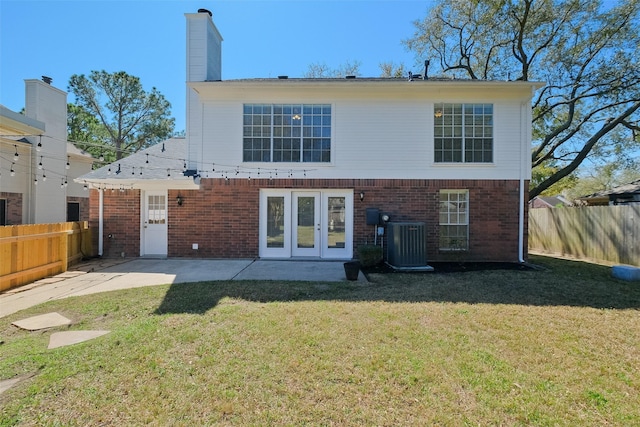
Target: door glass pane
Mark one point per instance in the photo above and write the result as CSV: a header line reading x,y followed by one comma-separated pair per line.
x,y
156,209
306,222
275,222
336,222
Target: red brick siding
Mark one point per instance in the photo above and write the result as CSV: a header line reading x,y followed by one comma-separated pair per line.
x,y
121,221
84,206
223,216
14,207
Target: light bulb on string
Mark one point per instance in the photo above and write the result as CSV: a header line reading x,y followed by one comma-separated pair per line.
x,y
12,172
16,156
39,146
35,181
40,164
68,165
44,176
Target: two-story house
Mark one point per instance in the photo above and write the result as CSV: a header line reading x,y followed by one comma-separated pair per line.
x,y
294,167
37,164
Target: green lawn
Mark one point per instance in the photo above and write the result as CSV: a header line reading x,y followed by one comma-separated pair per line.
x,y
559,346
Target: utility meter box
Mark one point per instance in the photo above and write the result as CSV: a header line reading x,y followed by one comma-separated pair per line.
x,y
373,216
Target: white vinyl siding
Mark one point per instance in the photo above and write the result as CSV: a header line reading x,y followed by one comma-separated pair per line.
x,y
385,135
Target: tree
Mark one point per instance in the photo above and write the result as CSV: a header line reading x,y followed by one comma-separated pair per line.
x,y
115,116
586,54
322,70
389,69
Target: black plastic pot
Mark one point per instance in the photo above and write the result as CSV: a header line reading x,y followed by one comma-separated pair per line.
x,y
352,270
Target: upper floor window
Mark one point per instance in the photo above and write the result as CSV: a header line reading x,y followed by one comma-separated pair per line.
x,y
463,133
286,133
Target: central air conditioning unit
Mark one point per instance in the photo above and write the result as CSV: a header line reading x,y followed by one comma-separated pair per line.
x,y
407,246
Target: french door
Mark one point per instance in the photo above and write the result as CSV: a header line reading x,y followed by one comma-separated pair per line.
x,y
306,224
316,224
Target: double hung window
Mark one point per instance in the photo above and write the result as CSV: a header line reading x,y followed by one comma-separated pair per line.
x,y
463,133
454,220
286,133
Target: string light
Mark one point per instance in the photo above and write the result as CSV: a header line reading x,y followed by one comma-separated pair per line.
x,y
39,146
68,165
40,164
16,156
35,181
13,172
44,175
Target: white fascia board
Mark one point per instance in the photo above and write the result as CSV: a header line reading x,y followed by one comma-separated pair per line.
x,y
151,184
222,89
12,123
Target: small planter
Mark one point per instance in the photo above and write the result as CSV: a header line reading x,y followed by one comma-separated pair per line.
x,y
352,270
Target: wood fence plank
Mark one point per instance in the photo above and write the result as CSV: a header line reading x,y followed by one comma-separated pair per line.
x,y
601,233
32,252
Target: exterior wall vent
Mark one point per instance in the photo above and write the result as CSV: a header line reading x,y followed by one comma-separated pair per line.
x,y
407,246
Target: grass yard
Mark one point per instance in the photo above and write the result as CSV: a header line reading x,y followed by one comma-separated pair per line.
x,y
559,346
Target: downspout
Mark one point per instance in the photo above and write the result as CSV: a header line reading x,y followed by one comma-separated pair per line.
x,y
100,221
523,165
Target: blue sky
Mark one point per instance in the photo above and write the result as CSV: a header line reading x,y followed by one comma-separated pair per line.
x,y
147,39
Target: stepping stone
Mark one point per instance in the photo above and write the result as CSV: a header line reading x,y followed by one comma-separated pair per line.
x,y
7,384
61,339
44,321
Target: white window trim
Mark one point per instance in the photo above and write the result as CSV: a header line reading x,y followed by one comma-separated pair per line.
x,y
449,223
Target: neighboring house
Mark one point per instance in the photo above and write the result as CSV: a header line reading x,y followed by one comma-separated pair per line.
x,y
37,164
622,195
549,202
289,168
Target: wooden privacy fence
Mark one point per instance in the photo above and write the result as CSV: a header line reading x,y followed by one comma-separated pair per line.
x,y
600,233
32,252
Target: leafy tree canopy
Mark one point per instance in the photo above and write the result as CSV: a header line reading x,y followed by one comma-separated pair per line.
x,y
585,53
322,70
115,116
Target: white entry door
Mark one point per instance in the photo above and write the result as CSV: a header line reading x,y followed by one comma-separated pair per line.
x,y
317,224
154,231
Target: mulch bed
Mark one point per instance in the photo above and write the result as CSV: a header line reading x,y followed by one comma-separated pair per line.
x,y
450,267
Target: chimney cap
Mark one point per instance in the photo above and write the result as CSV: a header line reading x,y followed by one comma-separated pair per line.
x,y
205,11
47,79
